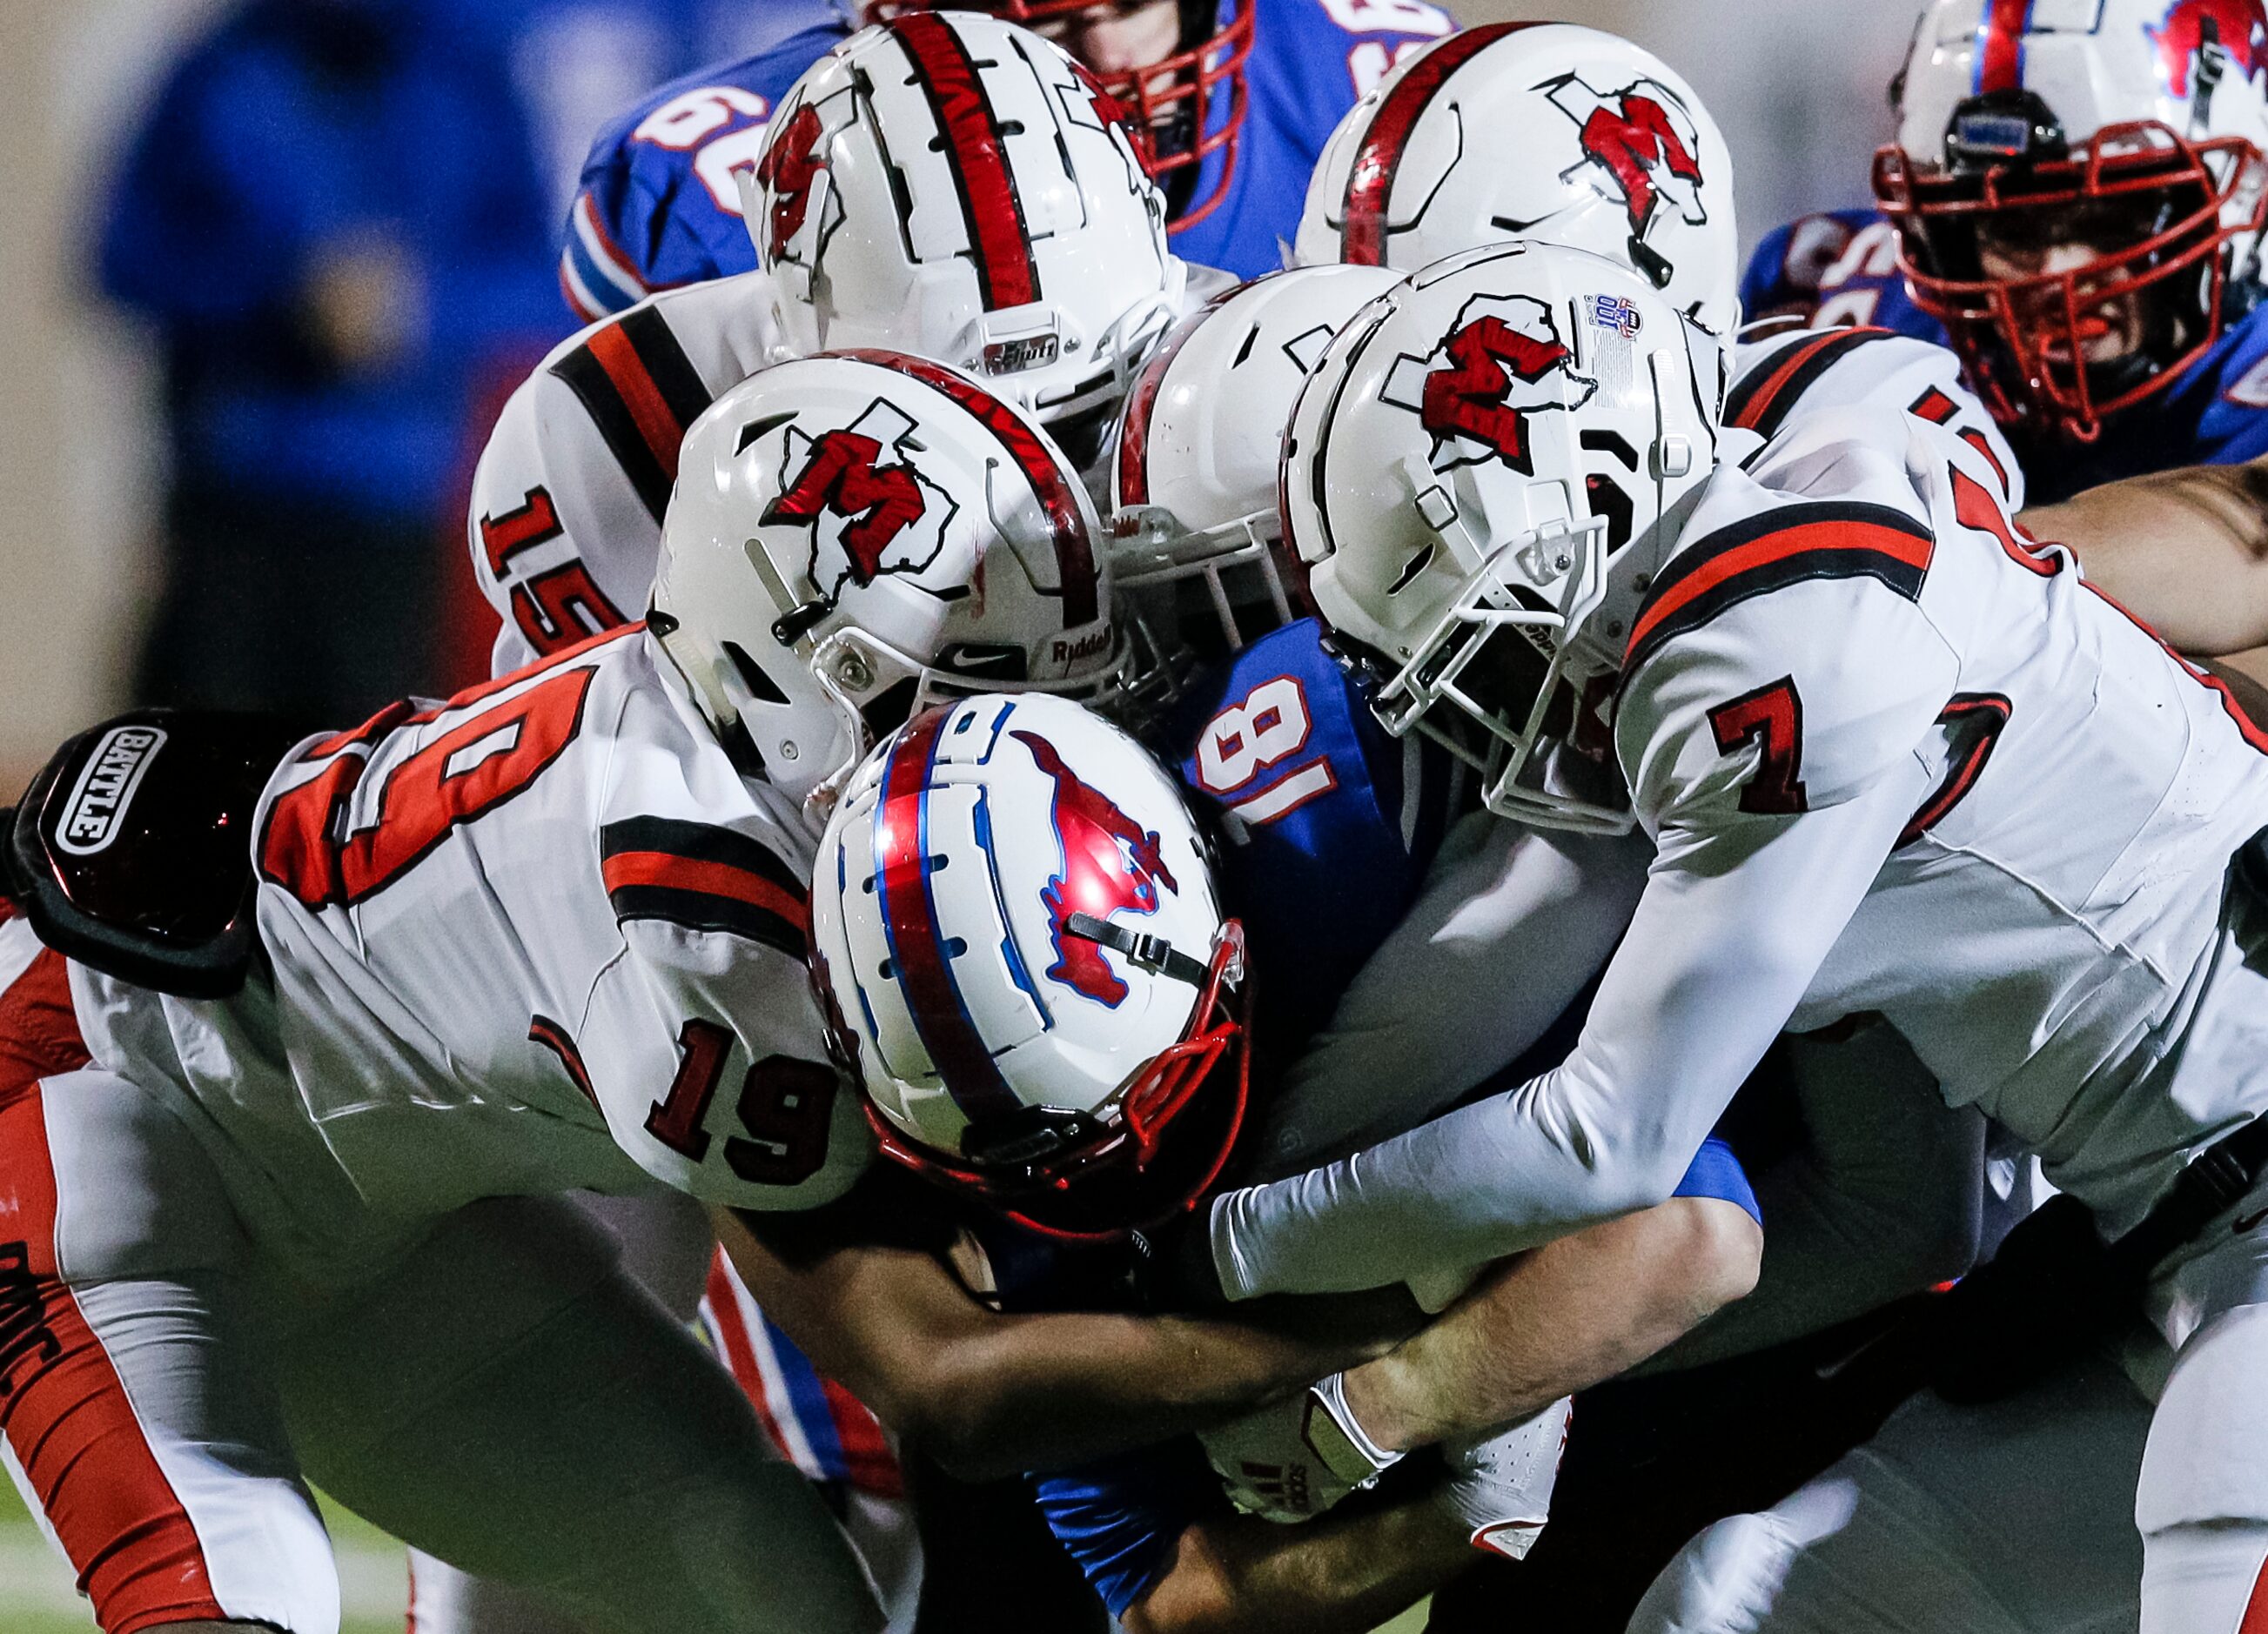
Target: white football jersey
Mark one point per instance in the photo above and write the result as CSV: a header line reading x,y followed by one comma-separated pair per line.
x,y
1894,759
1786,371
565,521
543,936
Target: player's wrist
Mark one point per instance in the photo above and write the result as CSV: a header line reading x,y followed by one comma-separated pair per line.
x,y
1341,1439
1379,1397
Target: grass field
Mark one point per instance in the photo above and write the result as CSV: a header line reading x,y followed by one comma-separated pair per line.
x,y
36,1597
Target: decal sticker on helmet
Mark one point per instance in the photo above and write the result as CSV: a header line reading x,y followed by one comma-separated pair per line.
x,y
1614,313
867,518
1111,865
2222,33
1502,362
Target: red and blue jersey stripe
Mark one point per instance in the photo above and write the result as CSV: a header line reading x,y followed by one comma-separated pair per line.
x,y
819,1426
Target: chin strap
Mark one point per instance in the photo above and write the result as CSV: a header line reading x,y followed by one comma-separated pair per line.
x,y
1153,953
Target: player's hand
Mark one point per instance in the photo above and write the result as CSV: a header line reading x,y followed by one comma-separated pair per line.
x,y
1295,1458
1499,1488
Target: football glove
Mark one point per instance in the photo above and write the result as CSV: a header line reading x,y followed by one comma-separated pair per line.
x,y
1499,1488
1293,1459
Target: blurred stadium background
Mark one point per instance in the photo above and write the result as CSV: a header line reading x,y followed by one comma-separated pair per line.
x,y
1798,85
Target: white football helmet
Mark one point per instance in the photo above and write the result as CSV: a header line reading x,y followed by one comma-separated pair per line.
x,y
2080,192
1534,131
855,534
1018,947
1193,476
953,186
1476,476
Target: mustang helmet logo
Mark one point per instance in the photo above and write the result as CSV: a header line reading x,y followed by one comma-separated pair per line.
x,y
1111,865
791,164
867,518
2225,34
1502,362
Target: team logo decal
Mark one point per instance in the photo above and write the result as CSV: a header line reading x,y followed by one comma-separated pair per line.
x,y
2215,35
790,165
1502,362
1640,145
868,519
1111,865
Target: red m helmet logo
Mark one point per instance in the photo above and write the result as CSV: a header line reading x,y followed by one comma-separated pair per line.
x,y
791,164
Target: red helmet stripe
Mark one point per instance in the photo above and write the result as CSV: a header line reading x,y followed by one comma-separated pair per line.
x,y
1075,561
2000,45
917,954
977,155
1142,400
1362,237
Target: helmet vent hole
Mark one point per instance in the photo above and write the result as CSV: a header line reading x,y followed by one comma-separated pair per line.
x,y
757,430
760,686
1417,565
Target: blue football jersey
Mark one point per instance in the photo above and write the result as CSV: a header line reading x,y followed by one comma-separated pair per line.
x,y
659,204
1842,267
1311,61
1327,824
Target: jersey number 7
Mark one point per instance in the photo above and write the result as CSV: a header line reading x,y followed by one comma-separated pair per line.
x,y
1770,718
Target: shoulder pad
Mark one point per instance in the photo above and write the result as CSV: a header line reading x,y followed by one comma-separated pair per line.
x,y
131,852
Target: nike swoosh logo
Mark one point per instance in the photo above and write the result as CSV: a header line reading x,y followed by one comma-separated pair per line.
x,y
2250,1222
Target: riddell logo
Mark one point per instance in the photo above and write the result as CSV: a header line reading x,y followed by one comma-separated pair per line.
x,y
1502,362
1111,865
1086,647
2218,34
97,809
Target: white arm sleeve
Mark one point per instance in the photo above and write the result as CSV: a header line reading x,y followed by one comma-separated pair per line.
x,y
1512,923
1731,929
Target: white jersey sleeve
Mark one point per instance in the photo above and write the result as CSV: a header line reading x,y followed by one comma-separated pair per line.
x,y
704,1049
1810,369
565,521
1776,683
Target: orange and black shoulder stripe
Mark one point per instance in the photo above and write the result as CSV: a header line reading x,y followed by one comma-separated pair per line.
x,y
1763,397
1775,548
642,391
705,879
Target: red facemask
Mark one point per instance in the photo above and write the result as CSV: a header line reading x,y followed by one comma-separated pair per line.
x,y
2024,340
1146,1151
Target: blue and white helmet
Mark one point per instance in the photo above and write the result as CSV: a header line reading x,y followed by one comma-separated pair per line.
x,y
1016,938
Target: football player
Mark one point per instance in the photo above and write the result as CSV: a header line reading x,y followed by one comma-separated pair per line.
x,y
278,1143
1840,695
1230,105
2075,207
900,220
1017,932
